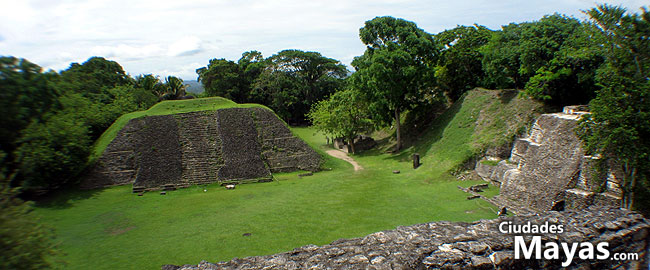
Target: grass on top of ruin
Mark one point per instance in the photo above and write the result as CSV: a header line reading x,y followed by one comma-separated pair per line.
x,y
164,108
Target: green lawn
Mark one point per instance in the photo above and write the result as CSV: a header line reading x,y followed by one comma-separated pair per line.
x,y
112,228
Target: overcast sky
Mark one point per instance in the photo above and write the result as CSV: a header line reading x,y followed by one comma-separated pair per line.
x,y
176,37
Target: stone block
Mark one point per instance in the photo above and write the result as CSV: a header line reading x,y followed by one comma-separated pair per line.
x,y
578,199
484,170
607,199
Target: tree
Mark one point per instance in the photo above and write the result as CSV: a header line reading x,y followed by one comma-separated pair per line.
x,y
459,66
25,243
395,70
52,152
223,78
343,115
618,128
150,83
294,80
501,58
233,80
175,88
25,93
561,56
93,77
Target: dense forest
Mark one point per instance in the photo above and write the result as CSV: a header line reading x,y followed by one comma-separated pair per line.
x,y
51,119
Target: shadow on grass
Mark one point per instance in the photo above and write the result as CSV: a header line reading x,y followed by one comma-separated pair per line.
x,y
65,198
421,143
505,96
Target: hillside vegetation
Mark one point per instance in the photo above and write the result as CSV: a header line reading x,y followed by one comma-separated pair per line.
x,y
113,228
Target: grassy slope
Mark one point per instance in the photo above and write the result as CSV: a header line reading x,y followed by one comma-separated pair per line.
x,y
112,228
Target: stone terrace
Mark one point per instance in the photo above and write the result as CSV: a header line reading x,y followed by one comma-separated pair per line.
x,y
548,168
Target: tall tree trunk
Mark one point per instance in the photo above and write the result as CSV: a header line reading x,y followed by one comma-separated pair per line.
x,y
398,130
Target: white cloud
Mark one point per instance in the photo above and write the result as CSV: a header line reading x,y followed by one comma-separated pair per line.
x,y
185,46
149,35
128,52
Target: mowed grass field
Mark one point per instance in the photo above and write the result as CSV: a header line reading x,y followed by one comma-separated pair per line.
x,y
114,229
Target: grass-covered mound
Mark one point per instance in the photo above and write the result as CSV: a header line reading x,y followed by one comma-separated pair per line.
x,y
114,229
165,108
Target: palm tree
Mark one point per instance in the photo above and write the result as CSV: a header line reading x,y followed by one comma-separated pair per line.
x,y
152,84
174,87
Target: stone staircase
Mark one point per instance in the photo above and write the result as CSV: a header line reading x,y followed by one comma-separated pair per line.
x,y
281,150
548,168
201,148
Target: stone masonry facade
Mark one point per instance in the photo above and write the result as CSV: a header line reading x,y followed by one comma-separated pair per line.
x,y
549,169
235,145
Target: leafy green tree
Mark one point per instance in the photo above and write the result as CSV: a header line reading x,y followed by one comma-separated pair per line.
x,y
151,83
25,93
459,67
501,58
561,56
555,59
293,80
343,115
223,78
618,128
93,77
395,71
52,152
25,243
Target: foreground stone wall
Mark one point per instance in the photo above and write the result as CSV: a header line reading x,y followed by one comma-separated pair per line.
x,y
233,145
548,168
457,245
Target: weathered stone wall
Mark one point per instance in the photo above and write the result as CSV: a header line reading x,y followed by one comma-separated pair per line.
x,y
240,149
548,168
116,166
201,147
229,145
457,245
281,150
158,153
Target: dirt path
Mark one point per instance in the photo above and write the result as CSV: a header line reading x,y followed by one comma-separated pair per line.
x,y
342,155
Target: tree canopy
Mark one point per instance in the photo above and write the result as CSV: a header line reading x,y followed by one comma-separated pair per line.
x,y
289,82
342,115
395,70
618,129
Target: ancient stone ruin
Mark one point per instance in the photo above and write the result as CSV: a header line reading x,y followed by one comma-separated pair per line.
x,y
457,245
235,145
545,168
549,170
